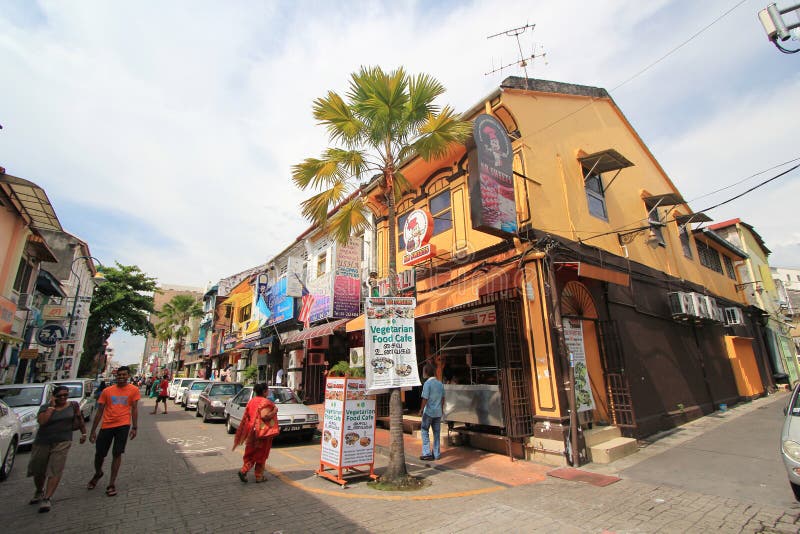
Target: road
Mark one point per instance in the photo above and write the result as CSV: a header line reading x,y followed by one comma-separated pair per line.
x,y
179,476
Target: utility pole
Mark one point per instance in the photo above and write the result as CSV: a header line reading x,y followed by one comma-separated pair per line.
x,y
777,29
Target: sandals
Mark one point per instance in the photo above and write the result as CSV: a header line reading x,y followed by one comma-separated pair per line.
x,y
242,476
93,483
111,491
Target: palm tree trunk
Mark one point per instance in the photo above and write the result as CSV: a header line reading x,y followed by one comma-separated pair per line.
x,y
396,470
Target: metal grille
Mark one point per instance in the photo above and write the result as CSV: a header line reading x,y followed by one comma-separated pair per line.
x,y
514,370
618,388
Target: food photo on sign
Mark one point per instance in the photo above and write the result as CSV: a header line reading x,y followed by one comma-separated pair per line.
x,y
389,344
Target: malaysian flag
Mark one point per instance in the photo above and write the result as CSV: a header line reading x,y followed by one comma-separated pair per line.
x,y
305,310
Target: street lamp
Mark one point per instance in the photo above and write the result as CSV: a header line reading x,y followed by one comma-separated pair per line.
x,y
98,278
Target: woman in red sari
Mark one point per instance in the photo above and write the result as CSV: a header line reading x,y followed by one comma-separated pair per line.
x,y
256,450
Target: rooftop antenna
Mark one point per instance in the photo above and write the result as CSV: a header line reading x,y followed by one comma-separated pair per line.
x,y
523,60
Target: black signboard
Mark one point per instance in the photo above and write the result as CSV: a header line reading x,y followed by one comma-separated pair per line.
x,y
491,179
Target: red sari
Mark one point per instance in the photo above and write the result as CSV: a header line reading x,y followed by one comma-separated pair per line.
x,y
256,451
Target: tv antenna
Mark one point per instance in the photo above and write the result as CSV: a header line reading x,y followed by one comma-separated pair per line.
x,y
523,59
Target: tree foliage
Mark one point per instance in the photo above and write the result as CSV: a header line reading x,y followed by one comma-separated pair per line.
x,y
175,317
124,301
385,119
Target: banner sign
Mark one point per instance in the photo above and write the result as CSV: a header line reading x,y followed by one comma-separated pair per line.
x,y
294,275
573,337
7,310
491,179
50,334
406,284
281,306
348,429
28,354
347,280
322,289
390,350
417,230
52,312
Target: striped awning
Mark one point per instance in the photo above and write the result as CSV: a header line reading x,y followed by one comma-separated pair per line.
x,y
321,330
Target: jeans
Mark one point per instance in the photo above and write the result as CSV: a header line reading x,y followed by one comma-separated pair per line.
x,y
427,423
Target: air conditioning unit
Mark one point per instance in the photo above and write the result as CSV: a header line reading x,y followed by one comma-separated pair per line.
x,y
24,301
718,314
318,343
315,358
681,304
701,306
733,316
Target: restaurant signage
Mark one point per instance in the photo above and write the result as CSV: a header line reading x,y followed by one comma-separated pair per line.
x,y
389,348
406,284
416,233
491,179
53,311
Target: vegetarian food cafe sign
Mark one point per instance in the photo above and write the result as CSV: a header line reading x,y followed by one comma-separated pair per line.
x,y
389,347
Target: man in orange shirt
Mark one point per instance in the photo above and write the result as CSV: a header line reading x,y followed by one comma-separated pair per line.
x,y
118,409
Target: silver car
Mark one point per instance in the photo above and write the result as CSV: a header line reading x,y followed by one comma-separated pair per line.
x,y
181,389
10,431
80,391
294,417
25,400
193,393
790,441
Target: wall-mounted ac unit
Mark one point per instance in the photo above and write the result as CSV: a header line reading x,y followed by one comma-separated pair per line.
x,y
681,304
318,343
701,306
315,358
24,301
733,316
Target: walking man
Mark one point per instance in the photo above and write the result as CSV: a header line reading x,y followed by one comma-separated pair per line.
x,y
431,412
163,394
118,409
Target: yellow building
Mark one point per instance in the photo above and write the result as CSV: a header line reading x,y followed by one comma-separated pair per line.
x,y
562,246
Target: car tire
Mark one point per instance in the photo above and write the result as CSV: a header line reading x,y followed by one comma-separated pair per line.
x,y
796,490
229,426
308,438
8,460
185,408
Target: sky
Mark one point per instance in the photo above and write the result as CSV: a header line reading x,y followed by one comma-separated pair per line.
x,y
164,132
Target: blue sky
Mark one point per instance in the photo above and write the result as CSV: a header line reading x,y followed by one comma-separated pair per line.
x,y
163,132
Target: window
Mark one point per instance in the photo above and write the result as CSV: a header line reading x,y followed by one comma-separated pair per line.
x,y
729,267
22,281
686,242
595,197
440,210
656,226
244,313
401,223
321,261
709,257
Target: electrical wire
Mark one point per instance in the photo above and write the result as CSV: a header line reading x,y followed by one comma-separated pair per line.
x,y
785,50
744,180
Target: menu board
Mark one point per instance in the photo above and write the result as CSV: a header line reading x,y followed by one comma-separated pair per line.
x,y
389,348
348,435
573,337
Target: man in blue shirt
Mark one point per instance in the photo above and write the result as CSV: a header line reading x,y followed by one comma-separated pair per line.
x,y
431,412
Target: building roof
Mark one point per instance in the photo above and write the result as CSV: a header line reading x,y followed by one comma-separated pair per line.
x,y
31,201
734,222
713,236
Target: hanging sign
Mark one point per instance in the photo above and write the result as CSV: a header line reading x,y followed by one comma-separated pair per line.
x,y
52,312
573,337
389,347
416,233
348,428
491,179
50,334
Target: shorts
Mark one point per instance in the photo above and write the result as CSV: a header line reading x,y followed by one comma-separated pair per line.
x,y
117,434
161,398
48,459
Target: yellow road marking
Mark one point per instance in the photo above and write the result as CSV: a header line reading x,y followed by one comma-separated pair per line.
x,y
292,456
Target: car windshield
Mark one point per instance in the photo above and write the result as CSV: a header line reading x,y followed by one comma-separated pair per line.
x,y
223,389
16,397
283,396
75,390
794,408
185,383
199,386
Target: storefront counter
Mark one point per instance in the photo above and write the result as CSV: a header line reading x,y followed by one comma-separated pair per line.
x,y
478,404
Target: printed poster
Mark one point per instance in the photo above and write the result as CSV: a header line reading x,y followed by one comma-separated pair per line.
x,y
332,421
573,336
389,347
358,435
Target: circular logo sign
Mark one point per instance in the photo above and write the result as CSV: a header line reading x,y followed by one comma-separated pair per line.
x,y
417,230
50,334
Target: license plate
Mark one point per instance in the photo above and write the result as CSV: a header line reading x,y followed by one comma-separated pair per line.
x,y
292,428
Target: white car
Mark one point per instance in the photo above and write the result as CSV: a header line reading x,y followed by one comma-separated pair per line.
x,y
183,386
790,441
80,391
294,417
25,400
173,388
10,432
193,393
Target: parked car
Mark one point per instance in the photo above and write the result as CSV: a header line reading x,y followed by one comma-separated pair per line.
x,y
183,385
10,433
211,402
80,391
294,417
790,441
173,387
193,393
25,400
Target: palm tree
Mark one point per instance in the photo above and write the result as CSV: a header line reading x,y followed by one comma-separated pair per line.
x,y
387,119
176,314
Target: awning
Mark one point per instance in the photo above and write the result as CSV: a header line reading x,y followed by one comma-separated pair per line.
x,y
237,299
8,338
692,218
37,247
321,330
667,199
32,201
587,270
605,161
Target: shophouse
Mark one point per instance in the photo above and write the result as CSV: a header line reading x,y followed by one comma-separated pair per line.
x,y
160,354
551,244
787,281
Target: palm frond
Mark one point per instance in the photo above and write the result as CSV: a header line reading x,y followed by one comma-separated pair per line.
x,y
423,90
438,132
316,208
350,219
337,116
335,165
380,99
